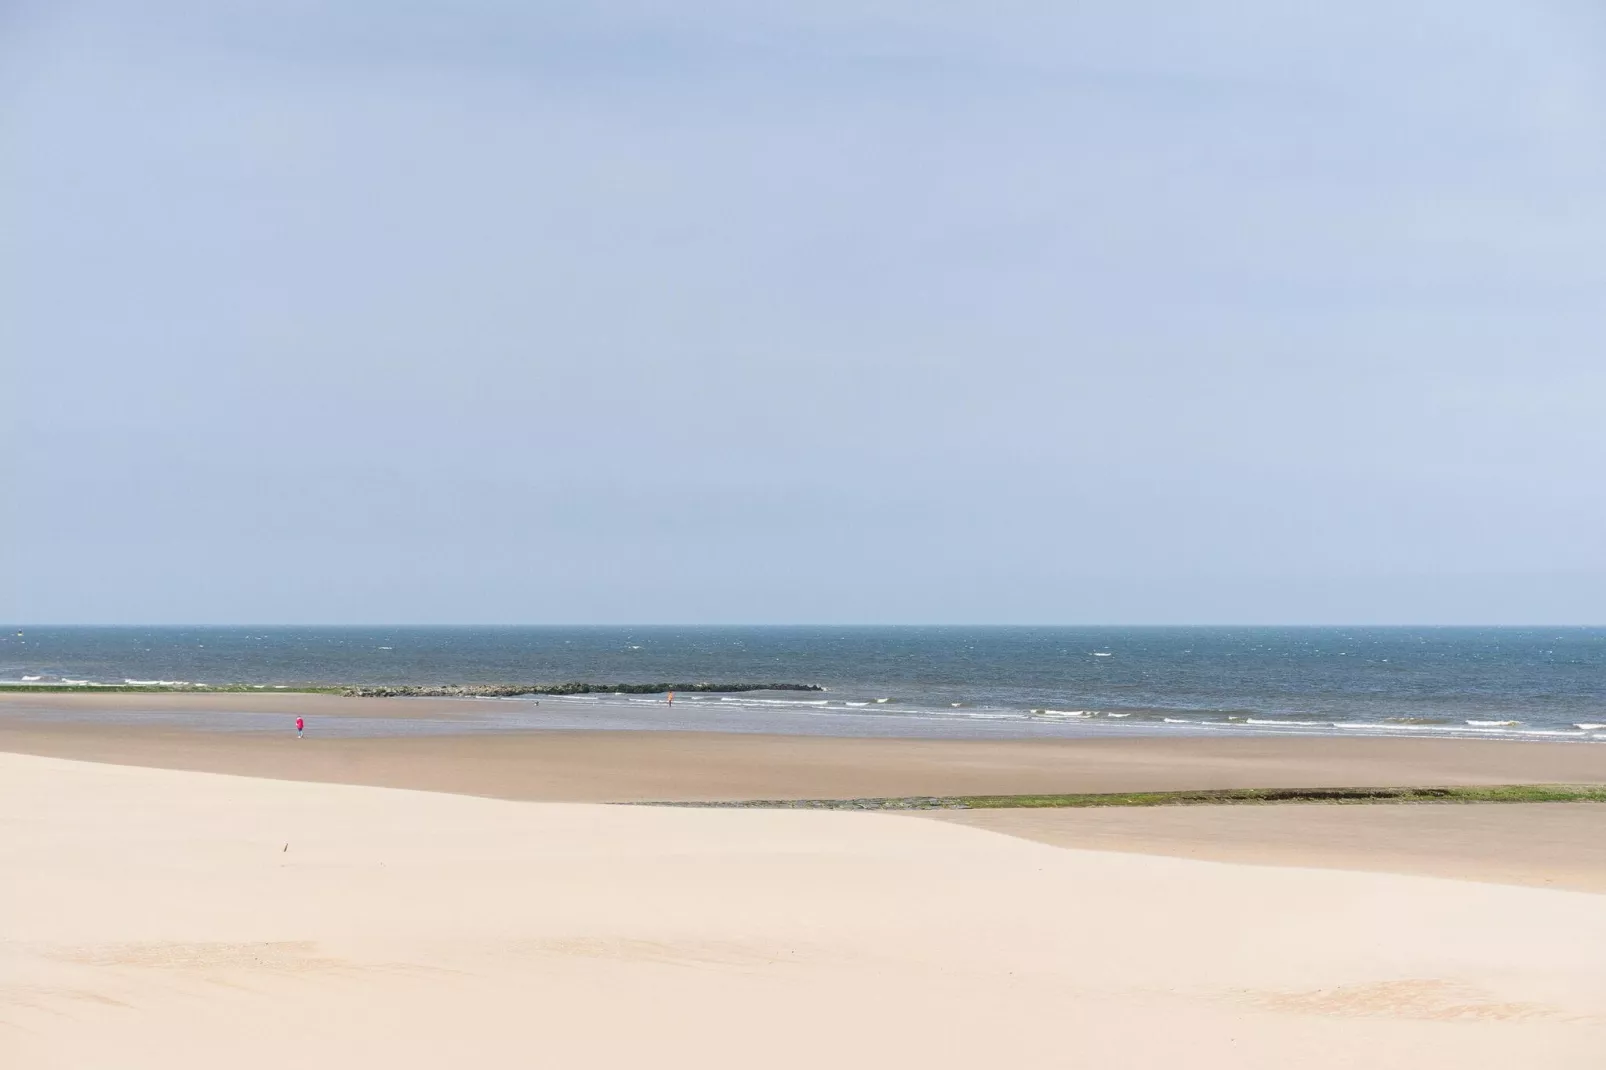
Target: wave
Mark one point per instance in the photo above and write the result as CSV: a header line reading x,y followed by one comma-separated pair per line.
x,y
53,681
1508,729
1500,729
873,715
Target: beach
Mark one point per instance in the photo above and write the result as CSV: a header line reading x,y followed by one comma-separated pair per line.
x,y
172,919
457,745
1555,845
798,536
185,895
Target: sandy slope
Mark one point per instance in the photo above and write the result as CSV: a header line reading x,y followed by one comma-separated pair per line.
x,y
1554,845
153,918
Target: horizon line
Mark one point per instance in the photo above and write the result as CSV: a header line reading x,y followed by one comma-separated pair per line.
x,y
22,627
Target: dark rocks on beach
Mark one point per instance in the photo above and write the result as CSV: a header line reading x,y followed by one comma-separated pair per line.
x,y
572,688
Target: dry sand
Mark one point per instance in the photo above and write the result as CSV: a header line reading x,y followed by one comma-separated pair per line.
x,y
1544,845
151,918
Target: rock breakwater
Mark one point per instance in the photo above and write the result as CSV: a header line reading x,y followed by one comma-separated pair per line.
x,y
571,688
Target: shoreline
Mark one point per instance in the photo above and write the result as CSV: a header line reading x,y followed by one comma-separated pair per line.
x,y
1537,844
450,710
442,744
682,766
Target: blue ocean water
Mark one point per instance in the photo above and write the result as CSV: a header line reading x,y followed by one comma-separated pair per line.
x,y
1498,682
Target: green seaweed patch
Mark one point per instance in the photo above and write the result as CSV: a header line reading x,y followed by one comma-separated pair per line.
x,y
1503,793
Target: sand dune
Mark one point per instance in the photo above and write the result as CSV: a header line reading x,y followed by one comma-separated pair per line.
x,y
154,918
1546,845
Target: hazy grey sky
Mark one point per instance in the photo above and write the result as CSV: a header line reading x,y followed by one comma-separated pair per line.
x,y
708,311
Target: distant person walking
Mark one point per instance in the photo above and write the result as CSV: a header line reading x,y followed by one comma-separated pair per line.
x,y
301,726
671,698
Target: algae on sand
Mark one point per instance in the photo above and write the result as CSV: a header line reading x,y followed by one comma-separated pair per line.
x,y
1502,793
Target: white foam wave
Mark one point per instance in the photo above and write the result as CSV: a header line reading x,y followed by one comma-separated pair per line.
x,y
1589,726
1499,729
1494,724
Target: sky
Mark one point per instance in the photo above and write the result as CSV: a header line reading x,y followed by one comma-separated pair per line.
x,y
826,312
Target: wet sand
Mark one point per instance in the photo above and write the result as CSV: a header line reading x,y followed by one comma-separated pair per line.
x,y
634,766
289,703
608,766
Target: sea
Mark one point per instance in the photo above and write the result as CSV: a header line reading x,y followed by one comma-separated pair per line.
x,y
926,682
